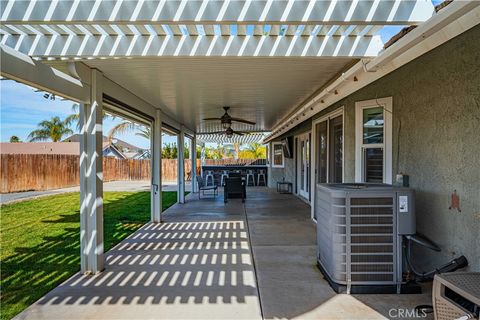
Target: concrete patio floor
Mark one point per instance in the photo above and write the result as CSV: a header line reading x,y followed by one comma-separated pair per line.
x,y
215,261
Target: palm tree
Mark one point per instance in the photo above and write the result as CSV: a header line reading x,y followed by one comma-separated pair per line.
x,y
122,127
53,129
127,126
257,150
15,139
144,132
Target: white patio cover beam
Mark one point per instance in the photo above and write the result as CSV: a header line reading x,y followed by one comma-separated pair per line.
x,y
20,67
222,138
334,12
89,46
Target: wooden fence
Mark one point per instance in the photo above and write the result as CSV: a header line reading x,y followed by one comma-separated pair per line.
x,y
23,172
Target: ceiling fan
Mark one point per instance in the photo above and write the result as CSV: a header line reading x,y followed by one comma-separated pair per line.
x,y
229,132
226,119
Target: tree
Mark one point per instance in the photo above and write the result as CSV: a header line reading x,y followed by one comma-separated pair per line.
x,y
121,128
15,139
254,151
170,151
53,129
144,132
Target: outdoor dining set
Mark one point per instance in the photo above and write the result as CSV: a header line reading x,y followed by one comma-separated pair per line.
x,y
234,182
250,176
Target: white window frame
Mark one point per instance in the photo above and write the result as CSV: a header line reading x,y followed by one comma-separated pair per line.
x,y
387,104
273,156
313,181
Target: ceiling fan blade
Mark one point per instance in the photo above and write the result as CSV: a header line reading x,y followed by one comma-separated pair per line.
x,y
209,119
243,121
238,133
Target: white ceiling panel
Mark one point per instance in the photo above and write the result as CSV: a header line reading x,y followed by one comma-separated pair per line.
x,y
190,89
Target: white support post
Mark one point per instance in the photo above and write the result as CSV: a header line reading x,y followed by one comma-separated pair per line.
x,y
193,157
181,167
156,165
91,180
269,165
202,158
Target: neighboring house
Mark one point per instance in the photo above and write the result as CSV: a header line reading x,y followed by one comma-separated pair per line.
x,y
117,148
110,150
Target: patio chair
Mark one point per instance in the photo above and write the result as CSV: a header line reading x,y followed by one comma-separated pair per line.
x,y
234,188
235,174
250,176
222,178
261,174
202,187
209,176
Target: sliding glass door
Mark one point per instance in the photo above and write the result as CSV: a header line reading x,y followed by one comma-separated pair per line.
x,y
303,165
328,152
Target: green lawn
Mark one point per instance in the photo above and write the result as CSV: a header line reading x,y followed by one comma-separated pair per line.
x,y
40,241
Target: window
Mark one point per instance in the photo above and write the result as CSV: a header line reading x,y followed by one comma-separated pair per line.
x,y
329,148
322,136
277,155
336,149
373,156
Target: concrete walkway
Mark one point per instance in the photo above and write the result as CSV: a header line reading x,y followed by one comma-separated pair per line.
x,y
133,186
215,261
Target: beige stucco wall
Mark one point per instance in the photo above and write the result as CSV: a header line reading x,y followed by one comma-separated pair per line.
x,y
436,132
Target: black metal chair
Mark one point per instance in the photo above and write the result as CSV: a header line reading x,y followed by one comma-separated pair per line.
x,y
202,187
234,174
234,188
